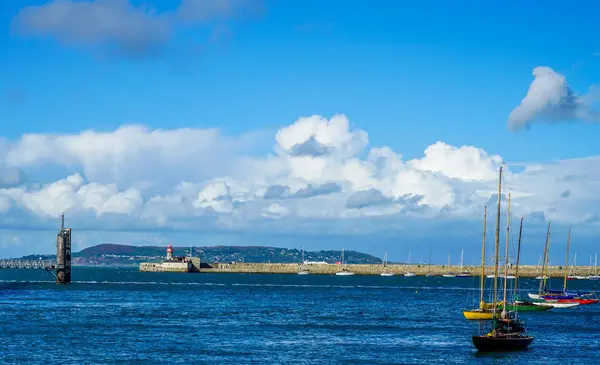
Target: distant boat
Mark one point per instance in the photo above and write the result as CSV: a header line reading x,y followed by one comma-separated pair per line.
x,y
429,265
384,264
595,276
463,273
449,274
303,271
409,273
344,271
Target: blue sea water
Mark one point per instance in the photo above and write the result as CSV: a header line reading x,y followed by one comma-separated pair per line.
x,y
122,316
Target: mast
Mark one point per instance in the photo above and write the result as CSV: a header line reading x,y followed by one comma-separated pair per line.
x,y
545,258
429,266
506,256
497,245
462,252
518,258
567,266
482,281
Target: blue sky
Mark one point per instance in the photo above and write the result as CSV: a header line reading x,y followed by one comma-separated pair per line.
x,y
408,74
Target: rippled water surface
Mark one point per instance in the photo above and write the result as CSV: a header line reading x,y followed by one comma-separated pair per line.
x,y
122,316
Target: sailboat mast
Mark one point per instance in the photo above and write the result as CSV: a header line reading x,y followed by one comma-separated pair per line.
x,y
506,255
497,245
518,258
545,258
567,266
482,281
429,266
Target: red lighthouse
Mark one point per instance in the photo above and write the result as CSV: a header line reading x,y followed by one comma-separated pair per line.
x,y
169,252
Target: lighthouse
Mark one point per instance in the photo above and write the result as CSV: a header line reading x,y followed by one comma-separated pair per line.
x,y
169,252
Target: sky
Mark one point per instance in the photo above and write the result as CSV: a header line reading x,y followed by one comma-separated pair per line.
x,y
374,126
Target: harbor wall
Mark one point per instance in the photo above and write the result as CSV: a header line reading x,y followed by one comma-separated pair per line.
x,y
166,266
438,270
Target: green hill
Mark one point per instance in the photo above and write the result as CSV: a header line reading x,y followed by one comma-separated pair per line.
x,y
109,254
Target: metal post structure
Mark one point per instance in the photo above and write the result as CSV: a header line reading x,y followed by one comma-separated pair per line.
x,y
63,254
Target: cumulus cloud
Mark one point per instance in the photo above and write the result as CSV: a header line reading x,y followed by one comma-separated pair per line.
x,y
130,153
118,24
551,99
212,186
73,195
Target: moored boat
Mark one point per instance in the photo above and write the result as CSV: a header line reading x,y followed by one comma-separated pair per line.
x,y
507,333
555,304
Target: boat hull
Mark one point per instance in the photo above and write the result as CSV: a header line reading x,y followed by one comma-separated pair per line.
x,y
556,304
492,344
387,274
527,308
479,315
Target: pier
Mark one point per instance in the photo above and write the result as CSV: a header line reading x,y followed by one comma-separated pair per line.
x,y
27,264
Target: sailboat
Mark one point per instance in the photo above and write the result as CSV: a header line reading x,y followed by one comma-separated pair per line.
x,y
303,271
463,273
449,274
484,312
384,264
429,264
344,272
595,276
409,273
558,298
517,304
508,333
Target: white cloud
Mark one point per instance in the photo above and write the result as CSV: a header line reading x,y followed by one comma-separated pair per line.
x,y
550,99
327,185
72,195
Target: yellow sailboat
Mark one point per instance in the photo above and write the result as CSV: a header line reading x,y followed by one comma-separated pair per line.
x,y
486,310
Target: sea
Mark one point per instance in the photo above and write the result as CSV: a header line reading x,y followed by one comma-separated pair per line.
x,y
122,316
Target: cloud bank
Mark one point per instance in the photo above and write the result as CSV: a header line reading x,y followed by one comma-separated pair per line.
x,y
550,99
198,180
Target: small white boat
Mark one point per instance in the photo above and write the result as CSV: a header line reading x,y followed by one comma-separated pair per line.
x,y
344,272
490,276
449,275
429,274
593,277
540,277
302,270
410,274
464,275
384,264
534,296
556,304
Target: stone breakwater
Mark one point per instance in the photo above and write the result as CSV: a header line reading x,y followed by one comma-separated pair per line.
x,y
437,270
